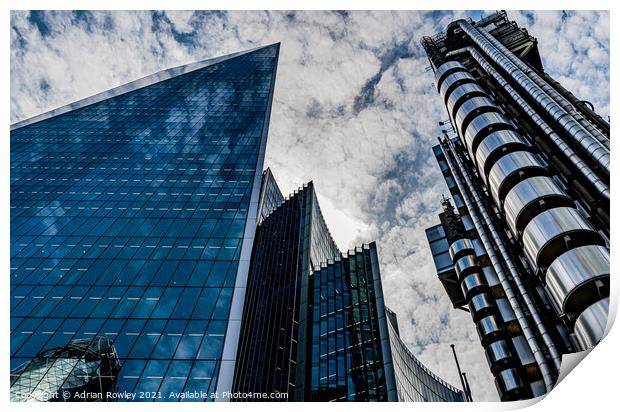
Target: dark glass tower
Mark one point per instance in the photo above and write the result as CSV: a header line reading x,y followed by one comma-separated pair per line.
x,y
314,324
527,163
133,214
289,243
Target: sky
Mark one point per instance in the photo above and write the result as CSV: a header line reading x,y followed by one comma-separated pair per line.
x,y
355,110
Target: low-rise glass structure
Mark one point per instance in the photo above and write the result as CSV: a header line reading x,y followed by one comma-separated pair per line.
x,y
84,370
414,381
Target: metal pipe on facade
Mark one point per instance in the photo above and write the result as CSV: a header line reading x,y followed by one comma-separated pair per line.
x,y
578,133
555,355
584,106
539,357
601,187
549,89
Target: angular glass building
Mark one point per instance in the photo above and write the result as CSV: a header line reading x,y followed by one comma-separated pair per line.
x,y
314,324
526,250
133,214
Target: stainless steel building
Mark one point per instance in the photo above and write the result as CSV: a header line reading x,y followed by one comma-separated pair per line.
x,y
526,251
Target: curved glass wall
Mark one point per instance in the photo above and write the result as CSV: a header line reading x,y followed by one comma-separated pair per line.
x,y
414,381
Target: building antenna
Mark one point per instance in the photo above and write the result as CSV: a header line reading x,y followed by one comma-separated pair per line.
x,y
458,367
468,388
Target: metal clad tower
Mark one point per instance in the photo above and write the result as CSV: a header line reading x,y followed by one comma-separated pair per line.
x,y
527,249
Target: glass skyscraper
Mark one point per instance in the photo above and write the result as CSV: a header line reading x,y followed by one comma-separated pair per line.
x,y
315,324
270,196
152,258
526,248
133,215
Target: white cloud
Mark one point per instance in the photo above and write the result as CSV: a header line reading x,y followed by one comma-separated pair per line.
x,y
574,48
181,20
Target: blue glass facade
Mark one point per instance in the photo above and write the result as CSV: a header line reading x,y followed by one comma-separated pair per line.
x,y
351,356
132,217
